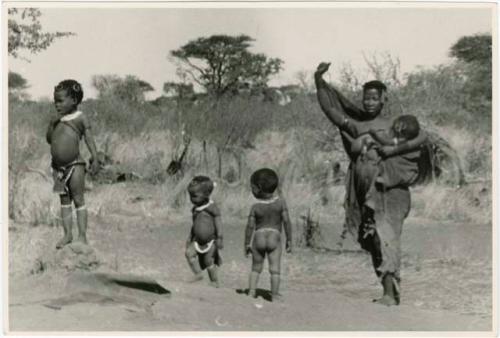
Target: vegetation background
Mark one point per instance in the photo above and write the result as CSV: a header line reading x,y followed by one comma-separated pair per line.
x,y
228,134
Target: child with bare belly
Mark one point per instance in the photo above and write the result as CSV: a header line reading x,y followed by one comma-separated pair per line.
x,y
64,133
263,233
205,238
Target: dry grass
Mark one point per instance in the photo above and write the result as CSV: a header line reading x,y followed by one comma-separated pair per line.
x,y
442,266
438,202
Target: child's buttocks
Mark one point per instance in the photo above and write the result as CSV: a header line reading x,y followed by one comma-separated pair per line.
x,y
64,146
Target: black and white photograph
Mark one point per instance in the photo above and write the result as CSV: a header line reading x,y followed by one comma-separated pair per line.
x,y
249,167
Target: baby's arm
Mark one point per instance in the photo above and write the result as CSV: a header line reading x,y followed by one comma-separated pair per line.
x,y
381,137
405,146
218,231
287,225
249,232
89,140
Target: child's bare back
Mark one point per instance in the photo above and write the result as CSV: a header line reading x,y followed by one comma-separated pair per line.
x,y
263,233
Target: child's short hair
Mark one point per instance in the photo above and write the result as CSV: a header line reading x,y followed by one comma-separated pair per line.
x,y
73,88
375,84
201,183
266,179
411,126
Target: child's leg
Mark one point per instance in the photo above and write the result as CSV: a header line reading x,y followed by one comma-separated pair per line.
x,y
257,266
208,262
76,187
192,259
274,258
212,274
67,221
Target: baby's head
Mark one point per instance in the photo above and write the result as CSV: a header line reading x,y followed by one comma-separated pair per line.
x,y
200,188
68,94
406,126
264,182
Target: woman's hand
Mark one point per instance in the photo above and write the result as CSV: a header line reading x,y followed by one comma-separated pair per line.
x,y
386,151
322,68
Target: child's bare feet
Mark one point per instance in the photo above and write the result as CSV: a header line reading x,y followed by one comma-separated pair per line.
x,y
196,278
64,241
386,300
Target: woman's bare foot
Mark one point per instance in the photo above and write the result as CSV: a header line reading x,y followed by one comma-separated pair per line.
x,y
82,239
386,300
64,241
215,284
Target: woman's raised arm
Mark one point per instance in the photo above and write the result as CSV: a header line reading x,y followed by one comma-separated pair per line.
x,y
336,107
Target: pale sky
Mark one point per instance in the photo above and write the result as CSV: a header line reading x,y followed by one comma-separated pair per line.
x,y
137,41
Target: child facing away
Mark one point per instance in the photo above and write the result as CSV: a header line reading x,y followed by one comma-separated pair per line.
x,y
263,232
64,133
205,238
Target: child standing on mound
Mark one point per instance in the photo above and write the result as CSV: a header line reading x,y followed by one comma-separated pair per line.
x,y
64,133
263,233
205,238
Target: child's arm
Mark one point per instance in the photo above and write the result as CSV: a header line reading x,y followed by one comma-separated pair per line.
x,y
218,232
249,232
190,238
405,146
381,137
52,124
288,227
333,109
89,140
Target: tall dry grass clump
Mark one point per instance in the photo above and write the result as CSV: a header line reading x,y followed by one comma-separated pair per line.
x,y
233,136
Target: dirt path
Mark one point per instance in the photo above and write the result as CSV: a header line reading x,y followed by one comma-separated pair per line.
x,y
323,292
198,307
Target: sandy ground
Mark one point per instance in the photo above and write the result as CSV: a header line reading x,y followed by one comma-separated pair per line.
x,y
446,282
199,307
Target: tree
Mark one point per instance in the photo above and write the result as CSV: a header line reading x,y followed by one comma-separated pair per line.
x,y
220,63
475,54
25,32
179,90
474,48
16,81
17,86
130,88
